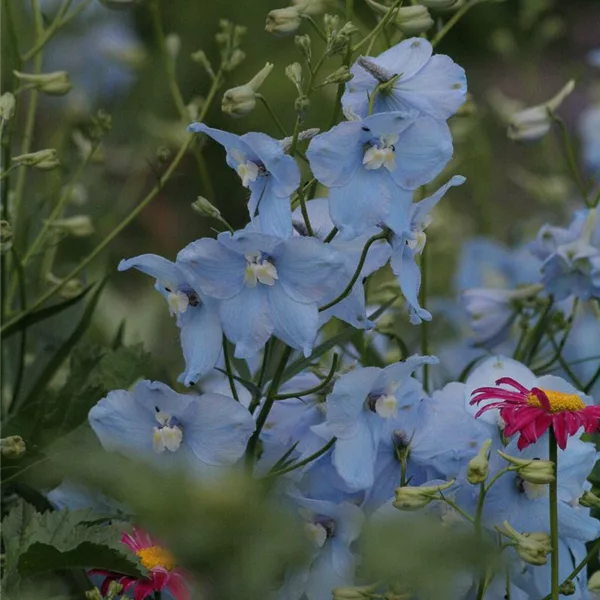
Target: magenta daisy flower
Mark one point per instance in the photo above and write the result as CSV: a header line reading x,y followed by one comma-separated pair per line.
x,y
163,571
530,412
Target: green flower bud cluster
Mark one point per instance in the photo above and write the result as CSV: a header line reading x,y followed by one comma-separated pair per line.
x,y
241,100
414,498
56,83
533,548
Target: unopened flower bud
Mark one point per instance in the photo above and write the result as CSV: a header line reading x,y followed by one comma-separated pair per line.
x,y
301,105
567,588
413,498
438,3
307,134
312,7
114,589
352,592
294,73
45,160
412,20
7,106
118,4
56,83
534,123
205,208
303,42
331,23
594,583
235,60
12,447
533,548
6,236
534,471
77,226
479,465
284,21
173,45
339,40
341,75
200,58
241,100
589,500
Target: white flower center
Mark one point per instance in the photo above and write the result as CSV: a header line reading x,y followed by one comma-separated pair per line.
x,y
418,243
381,154
178,302
386,406
248,172
534,490
316,533
259,270
166,436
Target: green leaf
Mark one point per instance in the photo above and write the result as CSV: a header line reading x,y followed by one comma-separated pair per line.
x,y
44,313
40,542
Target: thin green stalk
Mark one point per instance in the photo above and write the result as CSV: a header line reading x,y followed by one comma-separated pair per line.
x,y
478,515
304,212
23,341
457,508
306,461
349,10
377,29
553,456
456,17
564,338
570,157
229,370
590,384
359,266
271,112
537,333
316,388
267,406
565,366
424,324
331,235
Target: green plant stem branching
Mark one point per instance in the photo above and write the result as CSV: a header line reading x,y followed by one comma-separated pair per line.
x,y
553,456
317,388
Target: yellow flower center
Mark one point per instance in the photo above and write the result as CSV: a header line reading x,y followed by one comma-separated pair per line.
x,y
156,556
559,401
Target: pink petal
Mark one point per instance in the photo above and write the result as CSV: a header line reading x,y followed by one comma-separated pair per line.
x,y
559,426
178,588
513,383
143,589
160,577
520,419
541,396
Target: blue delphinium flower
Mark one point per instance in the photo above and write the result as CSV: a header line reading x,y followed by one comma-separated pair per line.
x,y
264,285
357,410
200,433
351,309
201,333
265,169
433,85
372,165
331,528
408,242
571,257
589,131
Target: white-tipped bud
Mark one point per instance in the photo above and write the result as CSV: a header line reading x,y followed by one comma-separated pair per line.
x,y
479,466
294,73
594,583
205,208
438,3
6,236
173,46
539,472
284,21
46,160
77,225
241,100
312,7
412,20
12,447
341,75
533,548
589,500
307,134
534,123
200,58
304,43
413,498
7,106
56,83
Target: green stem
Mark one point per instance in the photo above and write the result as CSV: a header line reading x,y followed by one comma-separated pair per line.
x,y
331,235
456,17
563,340
389,15
478,515
565,366
306,461
354,279
349,10
457,508
229,370
316,388
553,456
23,342
590,384
267,406
271,112
424,324
536,334
570,157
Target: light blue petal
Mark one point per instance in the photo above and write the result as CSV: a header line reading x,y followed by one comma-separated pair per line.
x,y
424,207
363,203
400,208
351,310
281,167
408,57
247,321
335,155
275,213
249,240
218,429
408,274
307,268
401,370
229,141
318,213
354,458
422,152
201,341
295,323
212,268
390,123
163,270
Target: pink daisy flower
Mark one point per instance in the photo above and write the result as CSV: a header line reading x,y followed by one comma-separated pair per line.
x,y
531,412
163,571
